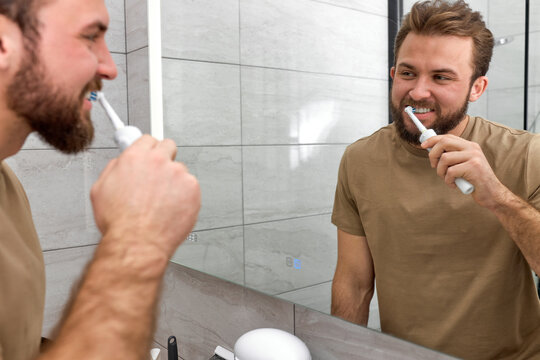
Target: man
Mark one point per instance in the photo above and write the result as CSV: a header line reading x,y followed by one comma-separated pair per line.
x,y
453,271
52,53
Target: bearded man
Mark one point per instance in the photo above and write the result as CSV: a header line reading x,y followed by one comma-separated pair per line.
x,y
453,271
52,54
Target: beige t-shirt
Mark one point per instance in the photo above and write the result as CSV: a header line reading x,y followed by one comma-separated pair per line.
x,y
448,275
22,273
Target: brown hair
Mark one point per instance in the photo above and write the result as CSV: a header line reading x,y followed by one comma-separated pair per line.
x,y
23,13
441,17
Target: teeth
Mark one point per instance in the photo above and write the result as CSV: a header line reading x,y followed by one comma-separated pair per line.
x,y
422,110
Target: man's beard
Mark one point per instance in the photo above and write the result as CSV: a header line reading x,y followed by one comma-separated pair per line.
x,y
443,123
55,116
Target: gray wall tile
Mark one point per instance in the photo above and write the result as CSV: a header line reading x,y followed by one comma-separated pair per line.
x,y
136,24
63,271
201,30
201,103
219,252
507,67
219,171
506,107
374,7
139,89
287,107
316,297
506,17
330,338
203,312
289,254
312,36
289,181
58,188
116,34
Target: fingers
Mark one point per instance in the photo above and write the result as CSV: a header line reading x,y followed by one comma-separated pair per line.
x,y
167,147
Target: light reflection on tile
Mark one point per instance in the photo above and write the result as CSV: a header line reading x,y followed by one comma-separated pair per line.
x,y
58,187
285,255
286,107
312,36
289,181
218,170
216,252
200,30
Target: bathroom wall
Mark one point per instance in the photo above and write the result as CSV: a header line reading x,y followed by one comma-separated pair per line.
x,y
58,185
262,97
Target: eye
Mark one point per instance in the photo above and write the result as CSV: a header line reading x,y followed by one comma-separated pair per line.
x,y
91,37
442,78
406,74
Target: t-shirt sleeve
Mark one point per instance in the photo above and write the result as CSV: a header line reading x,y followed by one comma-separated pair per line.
x,y
345,214
533,172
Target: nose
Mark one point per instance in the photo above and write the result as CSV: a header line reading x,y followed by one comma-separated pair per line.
x,y
420,90
106,66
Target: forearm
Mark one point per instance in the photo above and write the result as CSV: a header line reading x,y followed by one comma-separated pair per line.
x,y
351,302
522,222
113,311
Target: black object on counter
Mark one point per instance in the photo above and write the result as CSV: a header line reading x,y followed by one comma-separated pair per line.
x,y
172,348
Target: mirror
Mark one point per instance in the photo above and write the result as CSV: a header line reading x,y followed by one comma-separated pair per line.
x,y
263,96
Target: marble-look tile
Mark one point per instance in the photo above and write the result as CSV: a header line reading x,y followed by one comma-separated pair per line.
x,y
506,107
200,30
116,33
534,16
285,255
330,338
201,103
371,6
63,269
58,187
288,107
317,297
203,312
218,252
139,90
506,17
219,171
534,57
312,36
281,182
507,66
116,93
136,24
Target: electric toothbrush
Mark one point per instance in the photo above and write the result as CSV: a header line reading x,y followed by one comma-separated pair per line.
x,y
125,135
463,185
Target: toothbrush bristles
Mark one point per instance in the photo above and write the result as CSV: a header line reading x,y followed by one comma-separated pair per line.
x,y
93,96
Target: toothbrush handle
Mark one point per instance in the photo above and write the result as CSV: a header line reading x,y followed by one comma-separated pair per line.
x,y
463,185
126,136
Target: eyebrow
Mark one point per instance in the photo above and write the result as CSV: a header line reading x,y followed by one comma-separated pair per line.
x,y
442,70
96,25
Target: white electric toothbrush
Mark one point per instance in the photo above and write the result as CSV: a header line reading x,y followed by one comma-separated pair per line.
x,y
463,185
124,135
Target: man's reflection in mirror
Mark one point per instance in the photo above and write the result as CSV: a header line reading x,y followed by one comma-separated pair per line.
x,y
453,271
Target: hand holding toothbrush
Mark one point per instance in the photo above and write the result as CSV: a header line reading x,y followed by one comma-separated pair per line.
x,y
456,159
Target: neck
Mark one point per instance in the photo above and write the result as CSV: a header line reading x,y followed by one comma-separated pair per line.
x,y
13,132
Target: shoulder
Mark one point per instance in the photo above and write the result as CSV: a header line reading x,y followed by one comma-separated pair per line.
x,y
381,138
500,138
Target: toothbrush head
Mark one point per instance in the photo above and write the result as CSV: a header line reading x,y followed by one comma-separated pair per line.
x,y
93,96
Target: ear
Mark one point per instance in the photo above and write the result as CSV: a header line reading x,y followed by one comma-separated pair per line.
x,y
392,72
478,87
10,43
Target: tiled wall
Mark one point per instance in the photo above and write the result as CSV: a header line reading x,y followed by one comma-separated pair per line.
x,y
58,185
262,96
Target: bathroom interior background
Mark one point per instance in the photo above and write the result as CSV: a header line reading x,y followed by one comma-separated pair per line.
x,y
262,97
